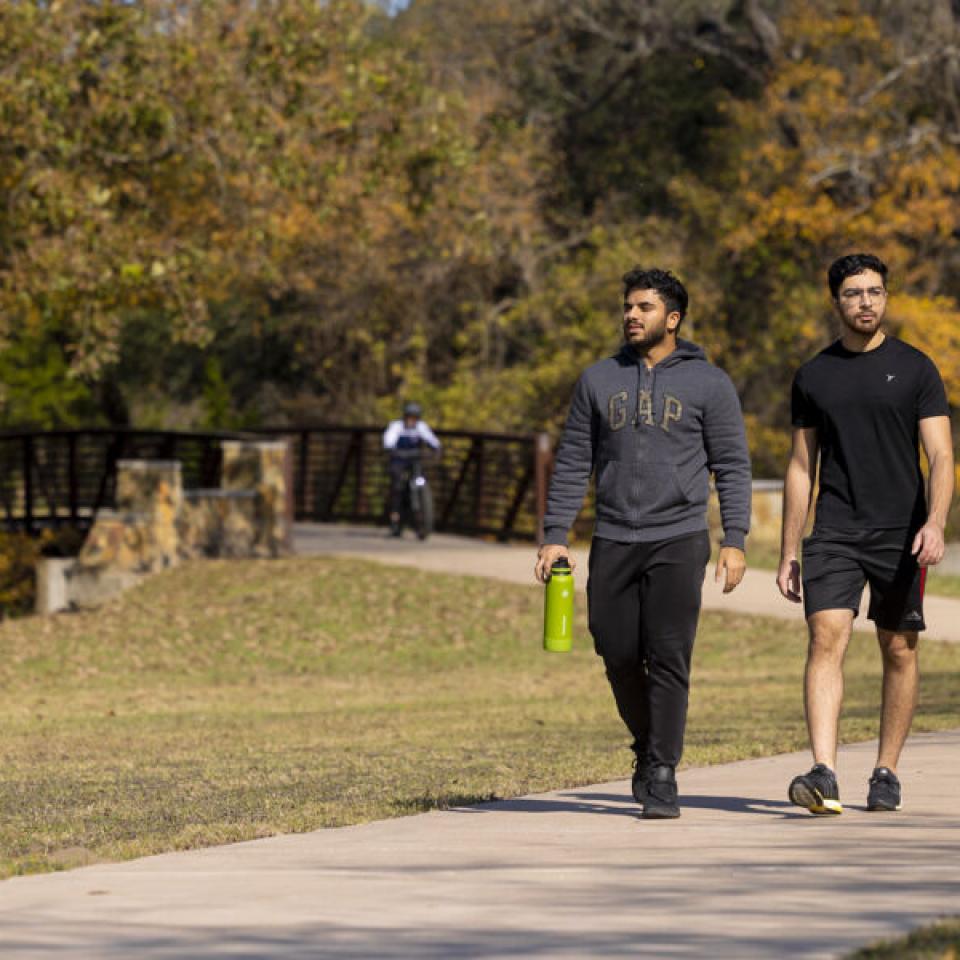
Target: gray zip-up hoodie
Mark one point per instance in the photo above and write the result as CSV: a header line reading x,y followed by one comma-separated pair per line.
x,y
653,436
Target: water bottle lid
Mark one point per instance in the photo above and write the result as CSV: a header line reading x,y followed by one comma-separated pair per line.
x,y
561,565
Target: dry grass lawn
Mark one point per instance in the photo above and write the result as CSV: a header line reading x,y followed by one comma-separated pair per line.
x,y
228,700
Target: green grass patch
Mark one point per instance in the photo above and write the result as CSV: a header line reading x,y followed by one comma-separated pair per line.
x,y
223,701
939,941
766,556
943,584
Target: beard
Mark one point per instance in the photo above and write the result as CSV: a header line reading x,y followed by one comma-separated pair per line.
x,y
863,325
649,339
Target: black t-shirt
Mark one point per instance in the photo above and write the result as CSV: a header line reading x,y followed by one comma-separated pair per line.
x,y
866,408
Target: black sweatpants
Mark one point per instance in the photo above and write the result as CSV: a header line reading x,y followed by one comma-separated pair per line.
x,y
644,603
399,477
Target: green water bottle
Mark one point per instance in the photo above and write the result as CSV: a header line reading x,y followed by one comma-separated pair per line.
x,y
558,608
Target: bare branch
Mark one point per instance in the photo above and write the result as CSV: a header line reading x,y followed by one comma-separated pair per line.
x,y
909,63
764,29
854,165
705,46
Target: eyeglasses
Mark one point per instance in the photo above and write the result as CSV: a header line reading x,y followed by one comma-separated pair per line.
x,y
871,293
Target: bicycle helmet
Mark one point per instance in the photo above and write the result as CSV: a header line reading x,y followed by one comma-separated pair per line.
x,y
412,410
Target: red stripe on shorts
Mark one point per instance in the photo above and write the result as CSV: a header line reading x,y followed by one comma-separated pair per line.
x,y
923,580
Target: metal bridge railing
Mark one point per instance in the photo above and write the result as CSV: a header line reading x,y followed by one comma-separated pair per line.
x,y
484,484
60,477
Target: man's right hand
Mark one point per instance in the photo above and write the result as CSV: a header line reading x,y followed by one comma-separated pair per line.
x,y
547,555
788,579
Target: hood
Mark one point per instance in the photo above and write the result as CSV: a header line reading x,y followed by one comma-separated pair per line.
x,y
686,350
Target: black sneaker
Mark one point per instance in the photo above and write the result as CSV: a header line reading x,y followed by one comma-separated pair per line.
x,y
639,784
661,799
816,790
884,790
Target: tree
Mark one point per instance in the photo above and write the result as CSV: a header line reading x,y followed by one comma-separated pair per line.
x,y
292,210
851,146
277,182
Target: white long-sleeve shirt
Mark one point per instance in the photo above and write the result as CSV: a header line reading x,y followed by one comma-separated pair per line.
x,y
397,436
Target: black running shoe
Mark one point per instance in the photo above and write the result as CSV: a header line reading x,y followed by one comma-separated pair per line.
x,y
884,790
639,784
816,790
661,800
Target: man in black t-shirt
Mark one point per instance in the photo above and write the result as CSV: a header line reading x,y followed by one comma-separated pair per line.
x,y
862,405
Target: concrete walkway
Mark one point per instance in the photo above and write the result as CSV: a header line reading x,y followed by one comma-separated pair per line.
x,y
567,874
573,873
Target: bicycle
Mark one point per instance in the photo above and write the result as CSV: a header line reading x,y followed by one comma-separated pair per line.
x,y
419,501
416,504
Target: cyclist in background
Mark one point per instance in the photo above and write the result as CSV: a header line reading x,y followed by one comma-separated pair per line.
x,y
403,439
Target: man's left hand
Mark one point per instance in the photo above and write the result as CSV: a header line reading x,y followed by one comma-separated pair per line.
x,y
928,544
731,566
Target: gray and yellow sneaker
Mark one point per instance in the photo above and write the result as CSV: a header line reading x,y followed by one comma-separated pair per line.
x,y
816,790
884,790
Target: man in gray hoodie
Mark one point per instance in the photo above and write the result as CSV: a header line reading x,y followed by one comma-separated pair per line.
x,y
653,422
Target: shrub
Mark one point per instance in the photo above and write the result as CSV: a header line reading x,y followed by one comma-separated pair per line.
x,y
18,557
19,553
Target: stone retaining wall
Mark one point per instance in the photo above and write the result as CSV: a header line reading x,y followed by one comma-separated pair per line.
x,y
156,524
765,514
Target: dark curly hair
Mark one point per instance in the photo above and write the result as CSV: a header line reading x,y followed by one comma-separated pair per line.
x,y
672,292
851,266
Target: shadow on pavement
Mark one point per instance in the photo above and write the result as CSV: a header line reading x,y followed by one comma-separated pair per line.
x,y
624,805
777,808
772,808
334,941
601,804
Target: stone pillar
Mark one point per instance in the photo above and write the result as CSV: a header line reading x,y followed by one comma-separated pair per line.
x,y
155,523
140,536
52,594
765,513
260,466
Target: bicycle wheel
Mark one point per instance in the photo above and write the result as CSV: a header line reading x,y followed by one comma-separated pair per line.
x,y
424,513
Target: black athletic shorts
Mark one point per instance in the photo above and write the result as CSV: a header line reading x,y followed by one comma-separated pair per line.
x,y
837,564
